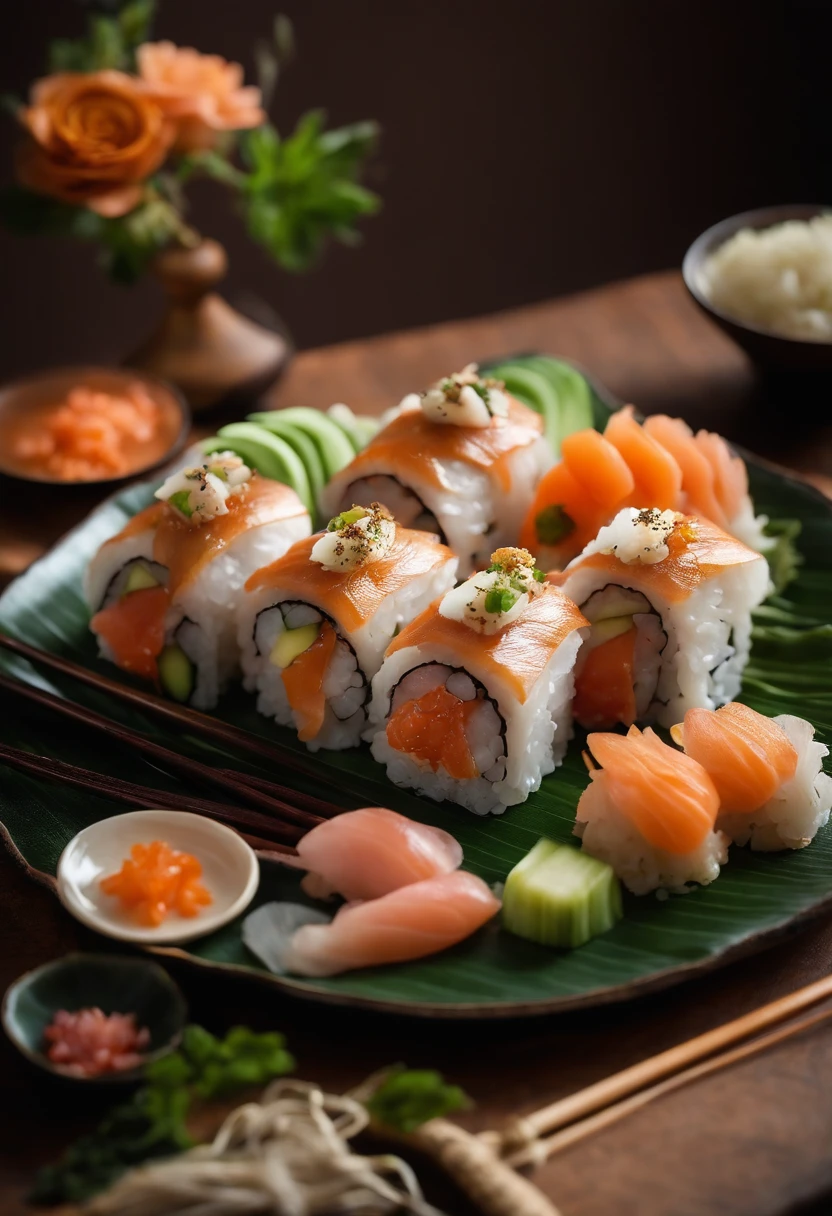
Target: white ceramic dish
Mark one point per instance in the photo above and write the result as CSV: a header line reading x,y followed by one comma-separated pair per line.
x,y
230,871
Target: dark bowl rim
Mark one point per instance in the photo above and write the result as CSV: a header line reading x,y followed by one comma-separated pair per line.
x,y
80,957
178,445
717,234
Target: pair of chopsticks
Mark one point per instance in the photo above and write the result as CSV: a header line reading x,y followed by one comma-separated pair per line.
x,y
535,1137
280,816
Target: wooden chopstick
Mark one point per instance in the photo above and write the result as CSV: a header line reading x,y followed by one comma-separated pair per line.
x,y
648,1074
541,1150
186,719
265,827
226,778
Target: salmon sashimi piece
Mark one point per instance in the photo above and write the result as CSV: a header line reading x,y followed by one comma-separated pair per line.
x,y
415,449
657,476
747,755
186,548
599,467
368,853
516,654
730,473
411,922
352,597
667,796
698,479
303,680
604,686
134,629
432,728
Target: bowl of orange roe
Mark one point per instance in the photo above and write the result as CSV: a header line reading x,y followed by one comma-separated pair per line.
x,y
89,425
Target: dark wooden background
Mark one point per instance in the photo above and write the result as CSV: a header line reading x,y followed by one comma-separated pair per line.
x,y
530,148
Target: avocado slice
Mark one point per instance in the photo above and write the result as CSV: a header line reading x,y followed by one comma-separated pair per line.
x,y
536,391
617,602
267,453
611,627
573,391
303,446
177,674
333,446
292,642
139,579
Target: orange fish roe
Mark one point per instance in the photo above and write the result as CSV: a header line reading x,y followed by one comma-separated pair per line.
x,y
88,1042
156,880
90,434
432,729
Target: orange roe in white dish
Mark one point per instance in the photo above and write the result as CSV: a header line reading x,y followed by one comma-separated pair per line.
x,y
156,880
90,434
88,1042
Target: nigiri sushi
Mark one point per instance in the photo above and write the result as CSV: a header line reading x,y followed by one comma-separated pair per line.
x,y
649,812
314,625
164,591
408,923
461,460
472,702
669,598
367,853
767,771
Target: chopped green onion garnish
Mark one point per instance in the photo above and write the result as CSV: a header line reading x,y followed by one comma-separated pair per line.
x,y
180,501
346,518
552,525
218,471
482,392
500,599
538,576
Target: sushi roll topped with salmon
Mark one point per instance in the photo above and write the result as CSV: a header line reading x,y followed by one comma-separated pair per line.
x,y
164,590
669,599
314,625
460,460
473,700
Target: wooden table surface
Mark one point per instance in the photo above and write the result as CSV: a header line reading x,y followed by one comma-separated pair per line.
x,y
753,1141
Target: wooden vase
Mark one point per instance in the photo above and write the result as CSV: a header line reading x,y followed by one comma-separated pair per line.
x,y
211,352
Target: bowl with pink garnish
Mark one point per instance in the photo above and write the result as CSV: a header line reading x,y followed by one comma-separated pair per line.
x,y
95,1017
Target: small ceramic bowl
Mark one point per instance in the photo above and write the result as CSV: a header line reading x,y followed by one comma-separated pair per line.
x,y
763,345
113,983
230,871
32,394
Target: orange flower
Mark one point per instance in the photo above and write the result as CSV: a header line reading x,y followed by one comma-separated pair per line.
x,y
203,94
95,138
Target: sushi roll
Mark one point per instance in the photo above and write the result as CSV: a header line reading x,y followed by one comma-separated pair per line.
x,y
462,460
314,625
669,599
768,773
650,811
164,591
473,700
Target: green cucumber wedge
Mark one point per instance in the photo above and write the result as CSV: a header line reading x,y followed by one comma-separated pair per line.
x,y
266,453
560,896
333,446
536,391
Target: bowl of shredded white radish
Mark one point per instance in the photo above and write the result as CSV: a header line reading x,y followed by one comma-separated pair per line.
x,y
765,277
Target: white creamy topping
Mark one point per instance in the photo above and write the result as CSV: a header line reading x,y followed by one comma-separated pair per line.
x,y
489,601
463,399
200,492
356,536
636,535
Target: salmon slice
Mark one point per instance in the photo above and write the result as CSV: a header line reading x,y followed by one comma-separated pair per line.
x,y
667,796
698,480
730,473
747,756
412,447
657,476
515,655
604,688
352,597
303,680
599,467
368,853
134,629
408,923
432,728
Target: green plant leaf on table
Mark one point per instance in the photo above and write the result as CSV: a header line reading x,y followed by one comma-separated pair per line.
x,y
491,974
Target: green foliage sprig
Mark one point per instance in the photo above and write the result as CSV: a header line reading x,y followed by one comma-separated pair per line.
x,y
409,1097
110,40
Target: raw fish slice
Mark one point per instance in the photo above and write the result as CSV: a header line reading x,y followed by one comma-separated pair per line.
x,y
658,478
409,923
730,473
368,853
698,477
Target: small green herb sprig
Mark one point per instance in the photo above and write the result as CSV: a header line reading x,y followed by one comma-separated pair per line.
x,y
409,1097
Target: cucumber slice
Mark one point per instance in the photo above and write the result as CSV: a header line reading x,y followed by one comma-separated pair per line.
x,y
267,453
292,642
176,673
534,390
560,896
334,448
139,579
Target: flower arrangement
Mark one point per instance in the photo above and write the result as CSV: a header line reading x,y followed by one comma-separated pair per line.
x,y
112,135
